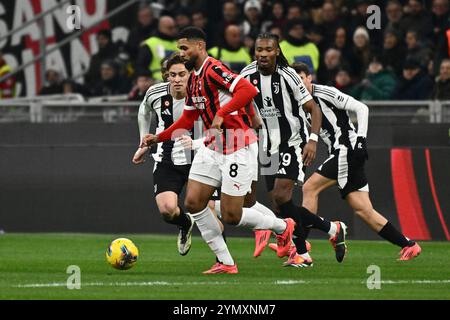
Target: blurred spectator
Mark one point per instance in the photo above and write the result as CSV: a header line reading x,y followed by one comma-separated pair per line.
x,y
343,81
297,48
200,20
53,83
362,50
146,25
277,17
143,82
232,52
441,90
359,18
341,42
419,19
277,31
379,83
316,35
416,50
107,51
251,26
231,15
327,70
440,17
393,51
415,83
7,87
156,48
330,22
182,18
71,87
111,82
441,32
294,11
394,14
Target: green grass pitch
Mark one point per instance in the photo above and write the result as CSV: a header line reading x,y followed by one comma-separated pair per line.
x,y
33,266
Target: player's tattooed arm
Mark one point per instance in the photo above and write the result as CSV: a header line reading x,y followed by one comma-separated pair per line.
x,y
310,149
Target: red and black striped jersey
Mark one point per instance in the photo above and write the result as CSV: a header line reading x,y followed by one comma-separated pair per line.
x,y
209,89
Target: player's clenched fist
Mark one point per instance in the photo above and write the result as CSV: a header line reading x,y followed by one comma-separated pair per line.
x,y
217,123
138,157
149,140
309,152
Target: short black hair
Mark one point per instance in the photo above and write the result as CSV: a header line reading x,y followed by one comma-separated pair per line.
x,y
173,59
281,59
192,33
301,67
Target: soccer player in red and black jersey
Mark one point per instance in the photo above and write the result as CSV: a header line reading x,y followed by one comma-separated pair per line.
x,y
229,160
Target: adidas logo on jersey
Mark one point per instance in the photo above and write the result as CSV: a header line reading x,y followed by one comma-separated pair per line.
x,y
282,171
166,112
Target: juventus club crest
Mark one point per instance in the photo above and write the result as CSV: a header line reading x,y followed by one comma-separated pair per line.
x,y
276,87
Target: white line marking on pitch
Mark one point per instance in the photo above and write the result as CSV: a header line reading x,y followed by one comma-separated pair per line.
x,y
214,283
153,283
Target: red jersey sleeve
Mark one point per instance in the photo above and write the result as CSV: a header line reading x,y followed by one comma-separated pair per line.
x,y
223,78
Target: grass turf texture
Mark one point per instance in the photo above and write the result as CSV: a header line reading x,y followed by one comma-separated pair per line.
x,y
30,260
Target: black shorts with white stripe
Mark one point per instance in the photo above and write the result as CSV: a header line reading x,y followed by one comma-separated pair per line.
x,y
290,166
169,177
342,166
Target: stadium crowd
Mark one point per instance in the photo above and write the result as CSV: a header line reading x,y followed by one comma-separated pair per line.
x,y
406,59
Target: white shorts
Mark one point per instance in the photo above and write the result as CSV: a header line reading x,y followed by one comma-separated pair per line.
x,y
233,173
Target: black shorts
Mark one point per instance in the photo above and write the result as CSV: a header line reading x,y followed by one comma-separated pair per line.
x,y
346,170
169,177
290,166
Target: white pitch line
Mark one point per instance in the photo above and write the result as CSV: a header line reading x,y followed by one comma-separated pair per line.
x,y
154,283
215,283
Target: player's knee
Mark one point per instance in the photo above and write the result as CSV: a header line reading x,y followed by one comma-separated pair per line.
x,y
231,217
363,212
281,196
193,205
309,190
233,220
168,210
249,201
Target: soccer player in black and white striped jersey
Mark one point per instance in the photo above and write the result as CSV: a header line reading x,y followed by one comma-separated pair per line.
x,y
345,164
172,158
282,102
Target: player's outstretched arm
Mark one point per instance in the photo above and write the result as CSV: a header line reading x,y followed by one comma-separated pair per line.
x,y
186,121
310,149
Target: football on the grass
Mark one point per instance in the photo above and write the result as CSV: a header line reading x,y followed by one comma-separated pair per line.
x,y
122,254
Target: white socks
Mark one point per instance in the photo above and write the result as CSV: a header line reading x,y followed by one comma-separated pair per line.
x,y
333,229
263,209
212,234
254,219
258,217
257,206
217,209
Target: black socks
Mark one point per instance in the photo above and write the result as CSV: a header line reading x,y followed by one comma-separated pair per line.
x,y
182,220
391,234
303,217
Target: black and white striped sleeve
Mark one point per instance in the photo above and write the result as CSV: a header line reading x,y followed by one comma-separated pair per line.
x,y
147,107
299,90
345,102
